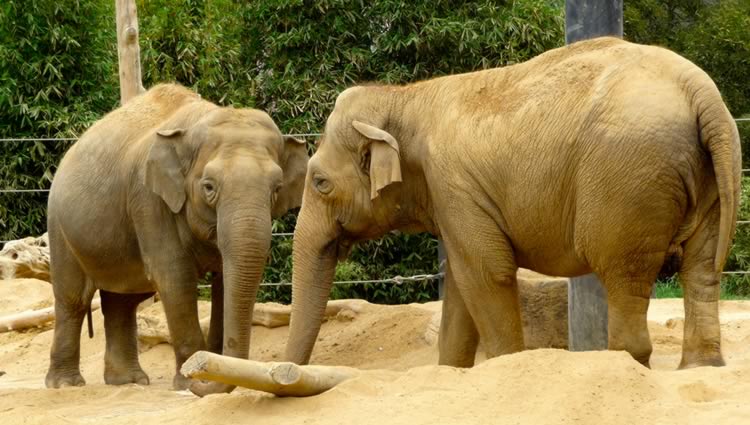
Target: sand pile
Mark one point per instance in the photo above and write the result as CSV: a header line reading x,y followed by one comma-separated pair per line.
x,y
403,383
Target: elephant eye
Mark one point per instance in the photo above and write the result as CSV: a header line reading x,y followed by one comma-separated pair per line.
x,y
322,185
275,194
209,190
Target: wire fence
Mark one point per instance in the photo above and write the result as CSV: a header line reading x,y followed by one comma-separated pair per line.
x,y
397,280
72,139
394,280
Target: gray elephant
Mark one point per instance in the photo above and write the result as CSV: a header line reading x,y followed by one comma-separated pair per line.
x,y
154,195
602,156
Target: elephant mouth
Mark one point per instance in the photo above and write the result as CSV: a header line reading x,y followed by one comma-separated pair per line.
x,y
344,248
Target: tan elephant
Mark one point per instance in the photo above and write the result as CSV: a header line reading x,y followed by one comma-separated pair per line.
x,y
603,156
151,197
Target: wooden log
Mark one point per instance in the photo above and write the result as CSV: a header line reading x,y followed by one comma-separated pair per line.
x,y
33,318
280,378
128,51
275,315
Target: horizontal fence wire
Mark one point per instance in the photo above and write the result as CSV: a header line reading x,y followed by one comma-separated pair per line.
x,y
24,190
40,139
398,280
275,235
73,139
304,135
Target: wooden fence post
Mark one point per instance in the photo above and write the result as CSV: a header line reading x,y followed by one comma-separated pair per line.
x,y
128,52
587,298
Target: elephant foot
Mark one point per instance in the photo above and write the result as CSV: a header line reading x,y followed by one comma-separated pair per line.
x,y
203,388
715,361
180,383
136,376
707,354
57,379
643,358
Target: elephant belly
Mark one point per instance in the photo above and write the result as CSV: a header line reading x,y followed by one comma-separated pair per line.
x,y
117,273
550,260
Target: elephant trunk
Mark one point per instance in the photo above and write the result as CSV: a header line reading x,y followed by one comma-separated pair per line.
x,y
315,256
244,237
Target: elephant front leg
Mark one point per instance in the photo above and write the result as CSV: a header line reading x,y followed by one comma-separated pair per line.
x,y
180,299
216,328
121,364
458,339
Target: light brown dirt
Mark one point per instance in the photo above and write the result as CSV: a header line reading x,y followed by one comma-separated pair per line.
x,y
403,383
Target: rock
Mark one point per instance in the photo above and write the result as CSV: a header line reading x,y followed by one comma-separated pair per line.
x,y
25,258
544,309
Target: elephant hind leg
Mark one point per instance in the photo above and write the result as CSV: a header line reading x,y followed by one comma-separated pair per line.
x,y
121,364
73,293
483,269
627,326
629,279
459,338
701,345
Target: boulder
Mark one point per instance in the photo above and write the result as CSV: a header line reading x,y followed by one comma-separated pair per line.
x,y
544,309
25,258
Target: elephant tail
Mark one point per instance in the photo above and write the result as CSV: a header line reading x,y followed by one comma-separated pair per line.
x,y
90,322
718,134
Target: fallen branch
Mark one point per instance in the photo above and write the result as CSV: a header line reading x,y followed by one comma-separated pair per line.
x,y
34,318
280,378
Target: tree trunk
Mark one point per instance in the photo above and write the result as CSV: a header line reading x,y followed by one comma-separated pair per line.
x,y
128,51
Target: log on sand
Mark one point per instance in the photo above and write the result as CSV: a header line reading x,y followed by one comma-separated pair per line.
x,y
272,315
33,318
280,378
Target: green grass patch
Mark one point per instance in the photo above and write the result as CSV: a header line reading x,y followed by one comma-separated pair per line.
x,y
733,287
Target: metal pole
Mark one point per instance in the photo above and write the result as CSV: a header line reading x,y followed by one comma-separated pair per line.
x,y
585,19
587,298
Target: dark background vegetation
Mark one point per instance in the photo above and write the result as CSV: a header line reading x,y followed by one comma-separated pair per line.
x,y
58,74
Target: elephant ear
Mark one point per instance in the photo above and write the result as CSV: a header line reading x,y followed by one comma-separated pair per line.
x,y
295,152
294,165
163,170
384,164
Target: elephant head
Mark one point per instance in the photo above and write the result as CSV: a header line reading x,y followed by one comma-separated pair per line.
x,y
225,173
357,187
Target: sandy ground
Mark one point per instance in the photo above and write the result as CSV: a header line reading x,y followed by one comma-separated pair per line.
x,y
402,383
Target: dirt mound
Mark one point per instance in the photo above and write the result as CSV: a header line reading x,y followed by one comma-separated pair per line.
x,y
402,383
17,295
